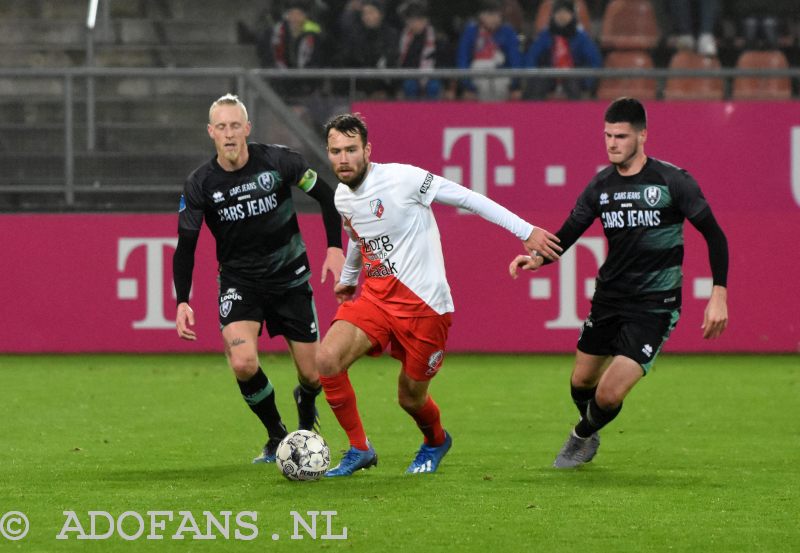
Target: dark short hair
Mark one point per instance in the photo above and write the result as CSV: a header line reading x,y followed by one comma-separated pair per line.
x,y
349,124
491,6
627,110
413,8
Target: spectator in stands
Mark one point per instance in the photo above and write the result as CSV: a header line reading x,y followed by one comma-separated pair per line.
x,y
371,43
761,21
707,13
294,42
489,43
420,47
562,45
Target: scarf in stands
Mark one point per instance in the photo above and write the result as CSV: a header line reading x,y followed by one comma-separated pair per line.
x,y
426,58
562,57
485,46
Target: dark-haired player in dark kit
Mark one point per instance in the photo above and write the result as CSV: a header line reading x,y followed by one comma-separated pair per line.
x,y
642,203
244,195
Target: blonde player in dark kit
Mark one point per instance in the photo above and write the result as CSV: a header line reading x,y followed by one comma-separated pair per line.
x,y
642,203
244,195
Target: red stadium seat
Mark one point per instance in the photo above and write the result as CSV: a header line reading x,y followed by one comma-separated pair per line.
x,y
690,88
629,25
762,88
638,87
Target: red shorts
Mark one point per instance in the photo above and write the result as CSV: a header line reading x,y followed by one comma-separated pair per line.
x,y
418,342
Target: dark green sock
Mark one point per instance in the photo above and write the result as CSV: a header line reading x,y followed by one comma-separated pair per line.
x,y
306,409
581,398
259,395
595,419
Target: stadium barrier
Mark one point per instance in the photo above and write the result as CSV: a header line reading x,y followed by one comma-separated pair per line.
x,y
88,282
90,138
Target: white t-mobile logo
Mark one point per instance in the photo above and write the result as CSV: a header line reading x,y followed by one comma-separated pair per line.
x,y
540,287
128,288
478,153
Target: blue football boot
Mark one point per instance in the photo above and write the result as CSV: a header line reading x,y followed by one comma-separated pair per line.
x,y
353,460
428,457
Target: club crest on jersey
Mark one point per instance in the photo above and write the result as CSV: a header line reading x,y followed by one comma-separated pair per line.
x,y
376,206
268,180
652,195
225,308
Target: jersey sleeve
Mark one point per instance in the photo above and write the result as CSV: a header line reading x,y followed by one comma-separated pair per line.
x,y
190,208
295,169
688,196
585,210
455,195
422,185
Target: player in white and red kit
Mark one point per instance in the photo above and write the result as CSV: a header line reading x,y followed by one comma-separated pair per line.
x,y
405,301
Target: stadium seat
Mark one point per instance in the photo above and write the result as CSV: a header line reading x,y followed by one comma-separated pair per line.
x,y
762,88
629,25
693,88
639,87
544,10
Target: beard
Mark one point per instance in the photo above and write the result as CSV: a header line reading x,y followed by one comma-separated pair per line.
x,y
231,155
356,179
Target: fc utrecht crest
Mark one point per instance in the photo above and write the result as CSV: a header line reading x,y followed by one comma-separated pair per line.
x,y
376,206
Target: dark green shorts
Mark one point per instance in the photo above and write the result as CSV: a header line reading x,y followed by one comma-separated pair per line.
x,y
290,313
636,335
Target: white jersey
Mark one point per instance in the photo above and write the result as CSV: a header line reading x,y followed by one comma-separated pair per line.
x,y
389,218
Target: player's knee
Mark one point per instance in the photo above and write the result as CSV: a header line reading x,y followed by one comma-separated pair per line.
x,y
326,362
409,401
583,381
243,366
608,398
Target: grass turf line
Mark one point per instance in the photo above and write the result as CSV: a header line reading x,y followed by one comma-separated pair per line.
x,y
702,458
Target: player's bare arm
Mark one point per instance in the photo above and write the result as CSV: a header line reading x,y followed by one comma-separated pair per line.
x,y
184,319
525,263
715,317
334,261
543,242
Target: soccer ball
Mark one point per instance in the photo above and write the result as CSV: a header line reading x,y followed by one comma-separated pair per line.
x,y
303,455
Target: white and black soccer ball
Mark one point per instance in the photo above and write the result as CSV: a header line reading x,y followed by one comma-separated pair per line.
x,y
303,455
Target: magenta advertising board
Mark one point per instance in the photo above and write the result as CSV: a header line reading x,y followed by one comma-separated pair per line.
x,y
103,282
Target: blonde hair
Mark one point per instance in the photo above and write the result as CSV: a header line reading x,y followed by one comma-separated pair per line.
x,y
228,100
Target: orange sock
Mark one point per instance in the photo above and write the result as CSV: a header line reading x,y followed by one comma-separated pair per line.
x,y
429,421
342,398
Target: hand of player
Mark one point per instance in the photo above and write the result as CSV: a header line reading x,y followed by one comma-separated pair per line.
x,y
526,263
334,261
343,292
183,320
544,243
715,317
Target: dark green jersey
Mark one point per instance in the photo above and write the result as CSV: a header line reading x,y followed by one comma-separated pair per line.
x,y
251,214
642,217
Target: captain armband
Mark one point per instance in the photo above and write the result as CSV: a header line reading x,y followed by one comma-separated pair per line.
x,y
308,180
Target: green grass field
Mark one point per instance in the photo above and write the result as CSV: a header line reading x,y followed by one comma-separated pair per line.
x,y
704,457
